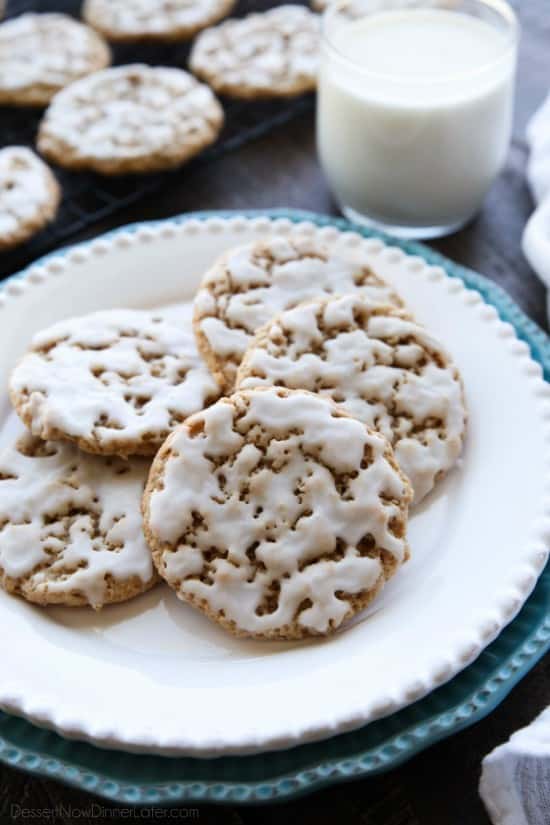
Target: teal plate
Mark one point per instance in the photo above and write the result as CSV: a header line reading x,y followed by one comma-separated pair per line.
x,y
377,747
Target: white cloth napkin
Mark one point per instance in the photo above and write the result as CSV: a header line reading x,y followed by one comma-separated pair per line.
x,y
536,236
515,777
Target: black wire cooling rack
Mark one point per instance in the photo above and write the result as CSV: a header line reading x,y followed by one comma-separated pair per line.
x,y
87,197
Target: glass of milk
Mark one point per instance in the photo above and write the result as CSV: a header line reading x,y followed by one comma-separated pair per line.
x,y
414,109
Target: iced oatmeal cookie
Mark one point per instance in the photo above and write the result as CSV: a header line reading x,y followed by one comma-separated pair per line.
x,y
379,366
113,382
276,513
130,119
158,20
70,525
250,284
29,195
42,53
266,54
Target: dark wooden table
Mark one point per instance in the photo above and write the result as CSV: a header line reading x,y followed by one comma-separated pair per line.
x,y
438,787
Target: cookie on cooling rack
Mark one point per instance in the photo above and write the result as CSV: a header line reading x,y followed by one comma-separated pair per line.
x,y
29,195
248,285
379,366
162,20
267,54
114,382
42,53
70,525
127,119
276,514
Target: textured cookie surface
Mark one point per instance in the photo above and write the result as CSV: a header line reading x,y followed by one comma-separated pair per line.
x,y
133,118
269,54
276,514
29,195
42,53
380,366
153,19
70,524
248,285
115,382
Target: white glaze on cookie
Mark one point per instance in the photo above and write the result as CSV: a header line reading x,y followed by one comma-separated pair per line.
x,y
42,53
265,54
380,366
70,524
272,511
114,381
153,19
132,118
250,284
29,194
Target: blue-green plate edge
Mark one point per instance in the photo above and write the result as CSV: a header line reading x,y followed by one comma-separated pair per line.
x,y
154,780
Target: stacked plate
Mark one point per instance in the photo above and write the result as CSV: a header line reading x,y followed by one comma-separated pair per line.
x,y
155,686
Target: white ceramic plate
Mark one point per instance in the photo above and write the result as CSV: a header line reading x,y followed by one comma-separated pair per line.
x,y
154,675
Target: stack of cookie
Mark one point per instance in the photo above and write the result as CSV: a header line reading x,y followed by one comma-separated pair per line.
x,y
279,510
97,395
135,118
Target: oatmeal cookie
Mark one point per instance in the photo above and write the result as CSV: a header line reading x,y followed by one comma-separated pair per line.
x,y
130,119
250,284
156,20
379,366
42,53
70,525
29,195
114,382
276,513
267,54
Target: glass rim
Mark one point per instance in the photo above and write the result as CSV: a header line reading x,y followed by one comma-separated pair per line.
x,y
500,7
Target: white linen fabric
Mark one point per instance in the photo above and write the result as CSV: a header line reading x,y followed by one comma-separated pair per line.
x,y
536,236
515,777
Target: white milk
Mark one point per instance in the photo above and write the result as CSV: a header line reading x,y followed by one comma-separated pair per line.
x,y
414,114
